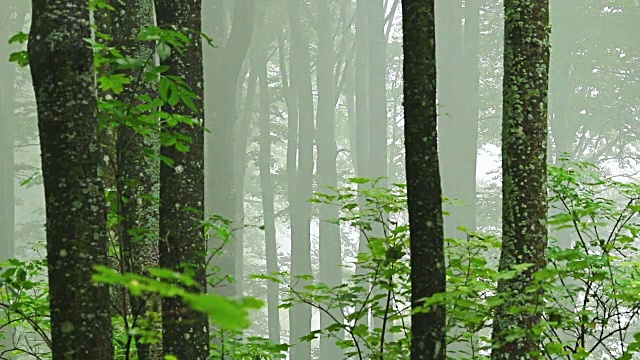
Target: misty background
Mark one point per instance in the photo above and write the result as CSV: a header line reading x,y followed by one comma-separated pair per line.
x,y
343,118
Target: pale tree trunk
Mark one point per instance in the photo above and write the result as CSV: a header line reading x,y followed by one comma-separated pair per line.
x,y
300,315
330,251
458,110
524,175
185,331
361,95
223,72
266,189
63,76
8,122
459,83
377,110
240,152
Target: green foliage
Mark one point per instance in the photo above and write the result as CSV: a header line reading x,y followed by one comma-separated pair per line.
x,y
24,306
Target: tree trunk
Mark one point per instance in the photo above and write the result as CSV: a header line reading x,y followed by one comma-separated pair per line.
x,y
330,250
524,172
8,122
222,76
458,102
424,193
137,176
266,188
64,82
300,315
185,331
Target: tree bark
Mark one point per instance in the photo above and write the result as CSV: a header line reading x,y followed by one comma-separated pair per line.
x,y
64,82
524,174
424,193
185,331
137,175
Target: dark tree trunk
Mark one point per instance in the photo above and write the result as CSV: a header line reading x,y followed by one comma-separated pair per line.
x,y
64,83
524,171
423,178
137,175
185,331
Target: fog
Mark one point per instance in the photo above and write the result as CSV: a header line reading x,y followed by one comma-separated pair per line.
x,y
304,95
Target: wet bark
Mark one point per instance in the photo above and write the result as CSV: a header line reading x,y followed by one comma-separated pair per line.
x,y
428,335
182,243
524,168
64,83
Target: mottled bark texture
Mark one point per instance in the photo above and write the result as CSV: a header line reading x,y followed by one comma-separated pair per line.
x,y
182,243
524,169
65,88
137,174
423,178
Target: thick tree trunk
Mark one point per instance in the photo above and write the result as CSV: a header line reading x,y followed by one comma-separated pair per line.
x,y
330,251
185,331
424,193
64,83
300,315
524,172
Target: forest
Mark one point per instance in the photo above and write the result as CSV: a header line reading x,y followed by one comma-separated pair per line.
x,y
319,179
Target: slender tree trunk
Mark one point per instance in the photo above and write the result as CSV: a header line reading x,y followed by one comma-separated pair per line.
x,y
185,331
222,195
524,169
361,91
458,102
330,249
8,122
266,188
424,193
137,176
64,83
300,315
240,152
377,166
